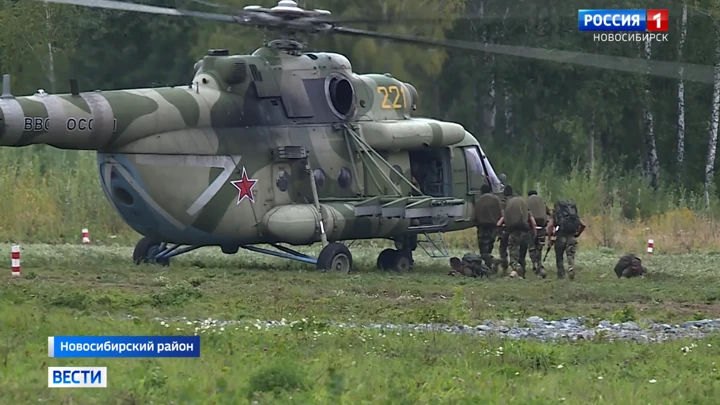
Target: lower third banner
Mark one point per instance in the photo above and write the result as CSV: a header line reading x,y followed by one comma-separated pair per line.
x,y
123,346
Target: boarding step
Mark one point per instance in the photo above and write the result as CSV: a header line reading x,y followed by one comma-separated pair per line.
x,y
433,244
411,207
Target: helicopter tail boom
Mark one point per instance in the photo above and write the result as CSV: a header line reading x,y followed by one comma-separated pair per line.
x,y
102,120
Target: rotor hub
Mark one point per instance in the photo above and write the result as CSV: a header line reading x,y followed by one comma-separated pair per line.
x,y
287,12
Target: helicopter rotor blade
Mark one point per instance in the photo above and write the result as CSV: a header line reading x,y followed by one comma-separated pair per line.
x,y
691,72
118,5
486,17
403,19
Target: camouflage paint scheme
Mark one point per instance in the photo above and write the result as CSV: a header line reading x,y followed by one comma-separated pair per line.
x,y
203,164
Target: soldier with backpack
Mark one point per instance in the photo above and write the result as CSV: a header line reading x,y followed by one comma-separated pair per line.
x,y
570,227
630,266
486,212
521,229
503,237
471,265
541,213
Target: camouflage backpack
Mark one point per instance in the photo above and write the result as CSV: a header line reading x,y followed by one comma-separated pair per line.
x,y
566,216
475,265
537,209
516,214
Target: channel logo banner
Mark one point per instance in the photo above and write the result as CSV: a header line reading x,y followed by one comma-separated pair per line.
x,y
123,346
77,377
623,20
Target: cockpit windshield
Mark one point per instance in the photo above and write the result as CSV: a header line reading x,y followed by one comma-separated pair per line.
x,y
490,172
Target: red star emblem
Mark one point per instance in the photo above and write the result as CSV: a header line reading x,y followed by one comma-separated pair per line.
x,y
244,186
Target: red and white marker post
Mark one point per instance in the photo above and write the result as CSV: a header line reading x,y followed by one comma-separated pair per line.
x,y
15,260
85,237
650,247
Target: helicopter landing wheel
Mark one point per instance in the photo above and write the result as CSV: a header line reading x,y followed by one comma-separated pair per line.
x,y
386,259
146,250
396,260
335,257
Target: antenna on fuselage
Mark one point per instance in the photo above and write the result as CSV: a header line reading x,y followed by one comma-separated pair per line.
x,y
6,91
74,89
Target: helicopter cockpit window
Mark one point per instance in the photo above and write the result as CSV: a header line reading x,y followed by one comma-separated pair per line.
x,y
344,178
476,174
319,178
490,171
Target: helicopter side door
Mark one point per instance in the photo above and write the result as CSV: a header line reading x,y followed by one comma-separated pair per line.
x,y
468,176
432,170
459,174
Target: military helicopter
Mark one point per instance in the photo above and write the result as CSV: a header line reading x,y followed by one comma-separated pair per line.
x,y
280,147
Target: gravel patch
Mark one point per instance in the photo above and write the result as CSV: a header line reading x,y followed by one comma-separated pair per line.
x,y
534,327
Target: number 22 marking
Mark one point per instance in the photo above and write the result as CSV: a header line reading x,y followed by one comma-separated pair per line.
x,y
386,91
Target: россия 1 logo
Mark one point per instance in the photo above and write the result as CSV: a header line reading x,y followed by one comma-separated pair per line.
x,y
625,25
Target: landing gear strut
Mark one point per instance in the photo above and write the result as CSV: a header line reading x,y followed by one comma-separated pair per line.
x,y
146,251
335,257
149,250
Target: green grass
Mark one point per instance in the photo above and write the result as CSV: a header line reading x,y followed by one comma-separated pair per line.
x,y
71,290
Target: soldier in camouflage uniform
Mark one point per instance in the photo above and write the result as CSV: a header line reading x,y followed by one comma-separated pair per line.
x,y
503,237
630,266
486,213
471,265
520,226
570,227
541,213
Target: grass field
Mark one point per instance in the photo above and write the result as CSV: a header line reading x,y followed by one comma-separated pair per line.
x,y
76,290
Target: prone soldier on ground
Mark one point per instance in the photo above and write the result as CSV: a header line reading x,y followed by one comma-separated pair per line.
x,y
486,213
541,213
471,265
521,229
630,266
569,227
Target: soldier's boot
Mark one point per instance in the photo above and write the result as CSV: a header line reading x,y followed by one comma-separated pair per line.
x,y
489,261
505,265
495,266
560,272
538,268
520,270
571,273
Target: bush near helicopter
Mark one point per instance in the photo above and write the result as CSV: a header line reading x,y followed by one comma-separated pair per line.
x,y
278,147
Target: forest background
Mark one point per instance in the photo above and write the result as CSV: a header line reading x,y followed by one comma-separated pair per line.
x,y
636,152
